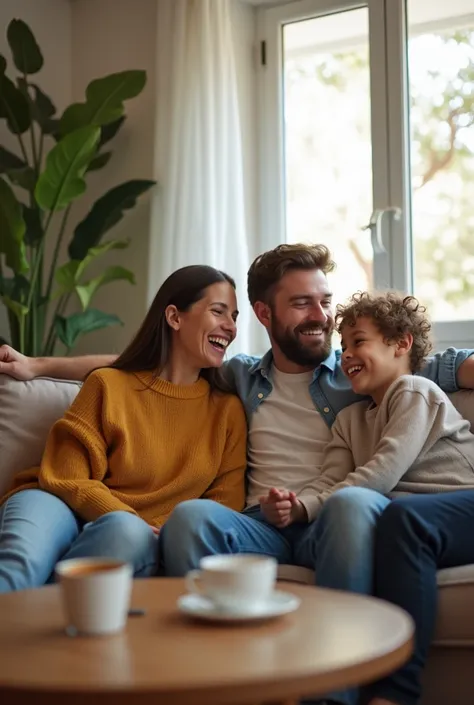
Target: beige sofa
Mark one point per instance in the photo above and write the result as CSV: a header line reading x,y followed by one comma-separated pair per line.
x,y
27,411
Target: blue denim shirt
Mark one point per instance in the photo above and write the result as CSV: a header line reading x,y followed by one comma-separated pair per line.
x,y
330,389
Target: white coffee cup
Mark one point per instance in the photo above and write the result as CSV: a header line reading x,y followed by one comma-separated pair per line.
x,y
95,593
240,584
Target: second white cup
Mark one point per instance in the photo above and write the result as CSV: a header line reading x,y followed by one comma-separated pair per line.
x,y
240,584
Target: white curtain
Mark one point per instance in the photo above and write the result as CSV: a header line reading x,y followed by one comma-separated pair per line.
x,y
199,160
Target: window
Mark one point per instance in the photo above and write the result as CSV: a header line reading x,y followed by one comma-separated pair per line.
x,y
367,113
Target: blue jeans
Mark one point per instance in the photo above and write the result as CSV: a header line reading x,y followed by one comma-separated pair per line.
x,y
339,545
38,529
418,535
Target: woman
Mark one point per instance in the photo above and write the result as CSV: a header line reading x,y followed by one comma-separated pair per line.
x,y
156,428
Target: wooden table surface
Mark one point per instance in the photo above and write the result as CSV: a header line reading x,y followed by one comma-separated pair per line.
x,y
332,641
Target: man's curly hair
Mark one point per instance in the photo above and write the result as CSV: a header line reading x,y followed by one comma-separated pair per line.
x,y
395,316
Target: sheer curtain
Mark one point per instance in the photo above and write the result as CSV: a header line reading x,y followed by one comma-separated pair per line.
x,y
200,211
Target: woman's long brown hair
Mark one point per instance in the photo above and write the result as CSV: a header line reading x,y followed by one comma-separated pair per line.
x,y
150,348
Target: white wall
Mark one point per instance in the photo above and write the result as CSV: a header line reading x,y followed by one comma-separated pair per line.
x,y
110,36
50,21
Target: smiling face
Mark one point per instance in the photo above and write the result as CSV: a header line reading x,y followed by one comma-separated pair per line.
x,y
369,361
202,334
299,320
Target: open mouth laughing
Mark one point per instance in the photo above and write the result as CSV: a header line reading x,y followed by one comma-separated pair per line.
x,y
353,370
315,331
219,343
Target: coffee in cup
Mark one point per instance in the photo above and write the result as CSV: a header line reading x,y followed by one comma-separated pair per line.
x,y
240,584
95,594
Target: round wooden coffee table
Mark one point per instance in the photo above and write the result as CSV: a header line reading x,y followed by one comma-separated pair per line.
x,y
332,641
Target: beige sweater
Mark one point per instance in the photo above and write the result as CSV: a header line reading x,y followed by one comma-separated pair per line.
x,y
414,442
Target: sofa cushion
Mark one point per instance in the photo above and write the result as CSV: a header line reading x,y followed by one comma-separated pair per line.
x,y
27,412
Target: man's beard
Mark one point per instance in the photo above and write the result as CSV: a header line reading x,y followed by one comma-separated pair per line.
x,y
295,350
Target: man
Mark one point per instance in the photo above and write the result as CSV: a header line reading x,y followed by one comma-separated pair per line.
x,y
292,396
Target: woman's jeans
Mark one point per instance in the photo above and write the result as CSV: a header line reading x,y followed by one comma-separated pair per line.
x,y
38,529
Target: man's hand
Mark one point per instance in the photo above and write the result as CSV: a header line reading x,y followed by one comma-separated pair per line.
x,y
465,374
282,508
25,368
15,364
155,530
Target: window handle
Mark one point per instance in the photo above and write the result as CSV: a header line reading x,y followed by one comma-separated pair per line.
x,y
375,227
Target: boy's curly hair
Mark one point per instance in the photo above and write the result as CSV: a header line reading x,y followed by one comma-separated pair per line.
x,y
395,316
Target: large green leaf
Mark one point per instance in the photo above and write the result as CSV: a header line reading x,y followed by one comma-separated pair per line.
x,y
12,230
34,229
17,288
104,100
98,251
71,328
111,274
13,104
43,103
41,106
14,292
105,213
26,52
20,310
52,129
8,161
109,131
99,161
61,181
24,177
65,277
69,274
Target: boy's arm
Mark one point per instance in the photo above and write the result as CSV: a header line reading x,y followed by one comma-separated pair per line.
x,y
410,423
25,368
338,463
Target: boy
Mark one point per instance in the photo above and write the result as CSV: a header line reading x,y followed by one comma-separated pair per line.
x,y
407,437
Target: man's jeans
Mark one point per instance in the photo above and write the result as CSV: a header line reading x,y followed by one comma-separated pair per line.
x,y
38,529
339,544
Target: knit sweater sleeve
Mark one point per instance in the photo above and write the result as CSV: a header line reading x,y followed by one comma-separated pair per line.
x,y
228,487
338,462
411,418
74,462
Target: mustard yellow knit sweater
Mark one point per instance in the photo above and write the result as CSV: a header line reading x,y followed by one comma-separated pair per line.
x,y
133,443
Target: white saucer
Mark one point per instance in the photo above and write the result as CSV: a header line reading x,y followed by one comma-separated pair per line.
x,y
278,604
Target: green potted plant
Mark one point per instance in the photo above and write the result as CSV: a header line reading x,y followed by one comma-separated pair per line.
x,y
36,184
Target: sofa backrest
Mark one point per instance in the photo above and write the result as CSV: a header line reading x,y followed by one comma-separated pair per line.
x,y
29,409
27,412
